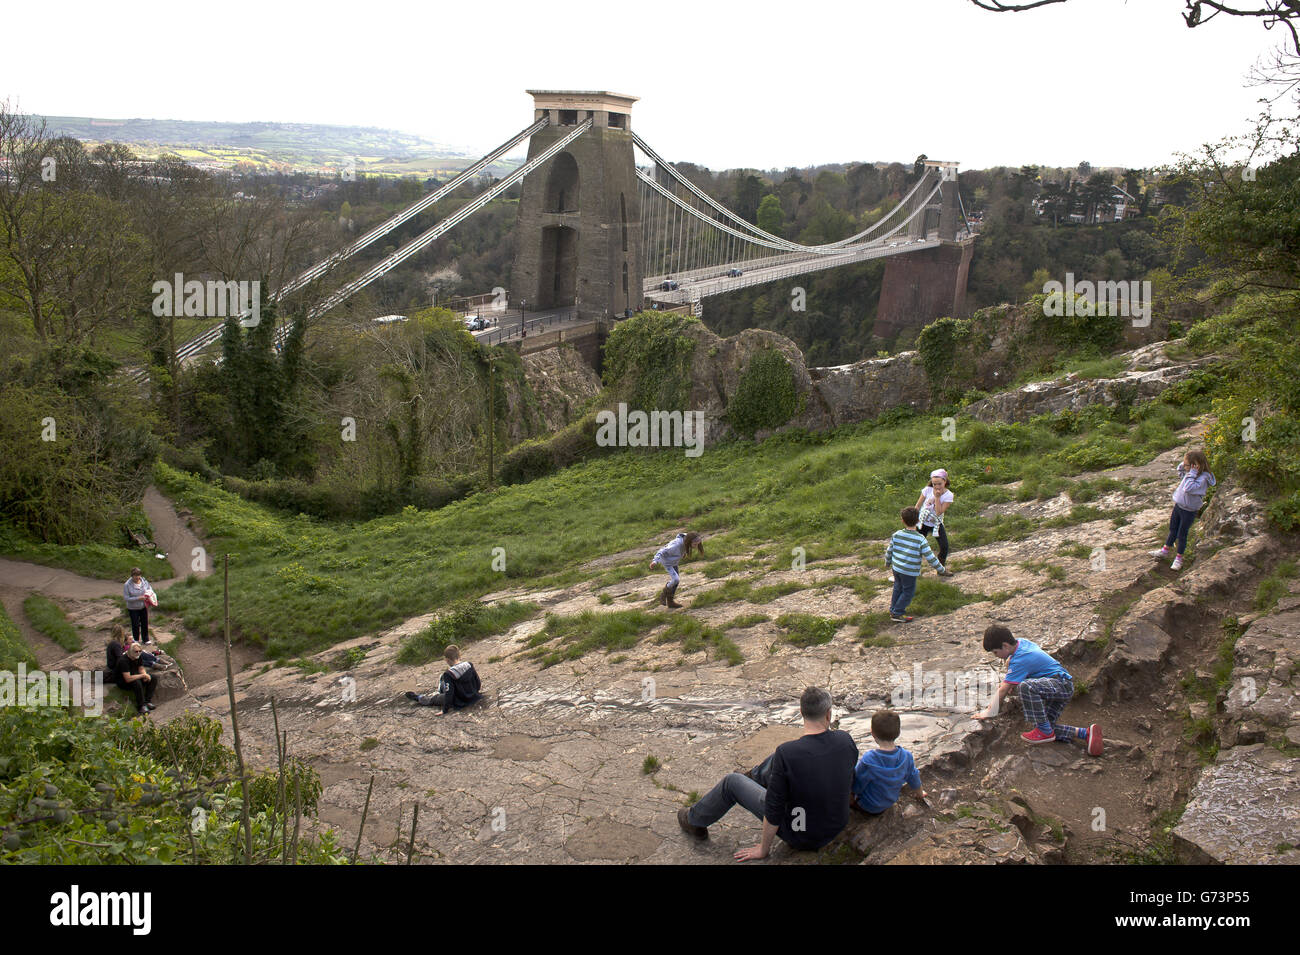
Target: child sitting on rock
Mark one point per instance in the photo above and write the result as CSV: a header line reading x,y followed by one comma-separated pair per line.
x,y
1045,687
458,687
881,772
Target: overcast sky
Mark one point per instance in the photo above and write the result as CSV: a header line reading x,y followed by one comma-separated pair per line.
x,y
723,85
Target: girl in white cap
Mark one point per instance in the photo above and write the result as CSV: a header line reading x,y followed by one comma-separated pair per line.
x,y
934,500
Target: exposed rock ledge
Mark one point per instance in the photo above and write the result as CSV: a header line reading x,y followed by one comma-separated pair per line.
x,y
845,394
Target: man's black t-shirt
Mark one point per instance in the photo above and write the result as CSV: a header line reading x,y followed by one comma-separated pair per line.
x,y
808,790
126,665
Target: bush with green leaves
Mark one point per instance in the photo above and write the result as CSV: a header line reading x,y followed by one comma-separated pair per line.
x,y
74,462
766,396
78,790
1256,401
648,360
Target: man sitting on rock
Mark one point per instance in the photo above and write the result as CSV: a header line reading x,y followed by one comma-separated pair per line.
x,y
457,688
131,676
801,792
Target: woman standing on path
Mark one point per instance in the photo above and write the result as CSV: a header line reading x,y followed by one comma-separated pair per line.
x,y
139,596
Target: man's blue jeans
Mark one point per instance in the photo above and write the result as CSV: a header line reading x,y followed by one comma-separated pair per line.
x,y
734,788
904,591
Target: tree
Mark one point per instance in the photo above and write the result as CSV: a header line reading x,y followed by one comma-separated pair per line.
x,y
1250,230
1272,12
770,216
749,193
76,261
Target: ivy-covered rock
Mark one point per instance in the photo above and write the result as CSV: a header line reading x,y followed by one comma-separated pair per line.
x,y
766,396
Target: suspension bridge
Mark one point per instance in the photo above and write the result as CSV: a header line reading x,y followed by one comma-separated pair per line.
x,y
607,225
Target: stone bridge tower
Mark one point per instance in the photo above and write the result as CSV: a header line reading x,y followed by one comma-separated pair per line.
x,y
578,235
920,287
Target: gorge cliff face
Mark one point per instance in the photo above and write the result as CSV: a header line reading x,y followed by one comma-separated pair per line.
x,y
846,394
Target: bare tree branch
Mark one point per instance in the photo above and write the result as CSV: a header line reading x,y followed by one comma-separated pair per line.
x,y
1272,12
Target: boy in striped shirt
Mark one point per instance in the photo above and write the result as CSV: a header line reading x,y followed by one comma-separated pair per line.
x,y
904,553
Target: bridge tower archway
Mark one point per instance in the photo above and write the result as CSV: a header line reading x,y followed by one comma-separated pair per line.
x,y
578,232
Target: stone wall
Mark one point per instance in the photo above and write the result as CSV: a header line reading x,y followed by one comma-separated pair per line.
x,y
920,287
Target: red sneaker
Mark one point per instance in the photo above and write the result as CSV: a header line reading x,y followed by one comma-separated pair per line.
x,y
1036,735
1094,740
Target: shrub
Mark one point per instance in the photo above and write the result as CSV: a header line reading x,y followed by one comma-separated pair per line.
x,y
192,740
648,360
539,457
78,790
766,396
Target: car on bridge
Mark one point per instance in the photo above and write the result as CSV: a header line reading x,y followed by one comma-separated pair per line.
x,y
668,285
735,273
476,324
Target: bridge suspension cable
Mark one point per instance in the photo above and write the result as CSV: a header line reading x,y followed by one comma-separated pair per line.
x,y
745,225
197,344
690,244
429,235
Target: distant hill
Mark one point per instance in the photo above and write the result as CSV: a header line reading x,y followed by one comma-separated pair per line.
x,y
275,147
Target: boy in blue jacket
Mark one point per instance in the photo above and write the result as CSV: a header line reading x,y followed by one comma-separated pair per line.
x,y
881,772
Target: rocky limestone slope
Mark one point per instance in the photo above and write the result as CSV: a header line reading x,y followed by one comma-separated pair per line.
x,y
552,767
846,394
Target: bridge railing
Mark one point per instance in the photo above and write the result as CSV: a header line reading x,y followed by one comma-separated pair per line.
x,y
510,328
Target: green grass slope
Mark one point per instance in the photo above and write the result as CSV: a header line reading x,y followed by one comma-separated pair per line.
x,y
299,584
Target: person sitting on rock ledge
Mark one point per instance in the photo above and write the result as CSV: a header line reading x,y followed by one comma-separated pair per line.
x,y
1045,687
881,772
458,687
800,792
131,676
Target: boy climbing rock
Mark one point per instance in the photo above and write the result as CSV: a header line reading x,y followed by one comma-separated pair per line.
x,y
1045,687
